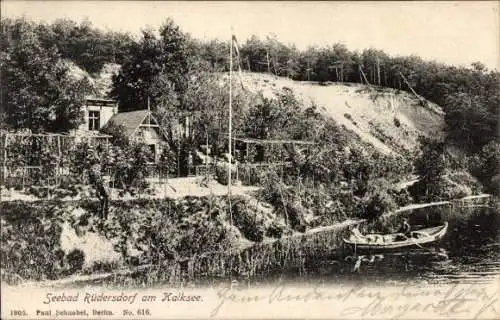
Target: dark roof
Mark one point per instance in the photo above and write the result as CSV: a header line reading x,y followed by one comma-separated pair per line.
x,y
129,120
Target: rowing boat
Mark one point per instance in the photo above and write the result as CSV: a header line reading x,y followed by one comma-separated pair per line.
x,y
396,240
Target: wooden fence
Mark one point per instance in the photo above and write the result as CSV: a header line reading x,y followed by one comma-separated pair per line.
x,y
21,157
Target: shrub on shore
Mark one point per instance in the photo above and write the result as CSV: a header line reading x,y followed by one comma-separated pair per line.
x,y
142,231
248,220
378,204
30,241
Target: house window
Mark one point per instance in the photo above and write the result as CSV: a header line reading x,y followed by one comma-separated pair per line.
x,y
94,120
152,149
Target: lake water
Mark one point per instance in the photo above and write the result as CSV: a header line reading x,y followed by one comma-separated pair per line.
x,y
469,253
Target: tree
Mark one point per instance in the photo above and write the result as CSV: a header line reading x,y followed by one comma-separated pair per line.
x,y
253,53
117,132
486,166
470,121
152,58
38,92
431,166
214,52
83,44
205,109
378,204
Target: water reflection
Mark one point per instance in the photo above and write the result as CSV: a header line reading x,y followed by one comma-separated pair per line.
x,y
470,252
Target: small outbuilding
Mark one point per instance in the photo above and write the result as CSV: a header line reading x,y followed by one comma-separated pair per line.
x,y
141,126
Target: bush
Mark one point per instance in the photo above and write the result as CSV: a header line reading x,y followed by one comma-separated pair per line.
x,y
495,185
464,178
75,260
130,168
377,205
247,221
275,230
401,197
295,214
30,240
485,165
459,191
117,133
221,174
440,189
249,175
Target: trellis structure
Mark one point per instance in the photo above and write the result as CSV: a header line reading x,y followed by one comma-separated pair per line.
x,y
250,166
268,142
247,165
24,156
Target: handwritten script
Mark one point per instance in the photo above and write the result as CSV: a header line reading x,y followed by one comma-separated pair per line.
x,y
459,300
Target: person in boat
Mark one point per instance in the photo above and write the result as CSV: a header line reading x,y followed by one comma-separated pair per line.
x,y
405,227
357,236
404,231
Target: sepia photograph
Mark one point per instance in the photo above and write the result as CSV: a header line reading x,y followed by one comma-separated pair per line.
x,y
250,159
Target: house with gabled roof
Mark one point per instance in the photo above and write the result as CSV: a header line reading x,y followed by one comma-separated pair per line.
x,y
141,126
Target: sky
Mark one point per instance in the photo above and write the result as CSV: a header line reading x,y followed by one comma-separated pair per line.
x,y
457,33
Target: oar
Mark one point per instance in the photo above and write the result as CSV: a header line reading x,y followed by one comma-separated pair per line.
x,y
428,250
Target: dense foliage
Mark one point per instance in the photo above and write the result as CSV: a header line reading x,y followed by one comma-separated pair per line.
x,y
31,243
486,166
87,46
155,68
124,165
62,166
155,232
443,176
337,177
37,90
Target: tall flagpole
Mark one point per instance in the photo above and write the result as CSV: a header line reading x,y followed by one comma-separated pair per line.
x,y
230,131
149,113
230,110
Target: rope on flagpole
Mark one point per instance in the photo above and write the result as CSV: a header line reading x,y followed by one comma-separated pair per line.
x,y
229,139
234,42
230,123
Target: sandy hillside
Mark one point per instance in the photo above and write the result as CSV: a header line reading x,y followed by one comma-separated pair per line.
x,y
101,83
372,113
389,119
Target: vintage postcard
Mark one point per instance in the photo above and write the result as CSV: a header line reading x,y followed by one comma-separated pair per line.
x,y
250,160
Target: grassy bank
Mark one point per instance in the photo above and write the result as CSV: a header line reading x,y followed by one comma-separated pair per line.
x,y
190,239
51,240
298,255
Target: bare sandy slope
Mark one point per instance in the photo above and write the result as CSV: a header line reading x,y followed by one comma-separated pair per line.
x,y
389,119
370,112
101,83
